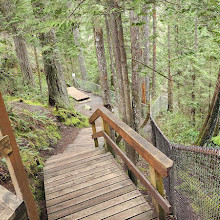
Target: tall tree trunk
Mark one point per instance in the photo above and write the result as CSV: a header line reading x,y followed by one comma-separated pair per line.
x,y
136,83
147,53
53,71
170,81
116,50
193,110
81,57
124,66
112,64
100,52
7,10
38,68
210,123
154,49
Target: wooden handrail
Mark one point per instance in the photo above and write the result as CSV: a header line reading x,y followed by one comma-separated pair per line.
x,y
159,161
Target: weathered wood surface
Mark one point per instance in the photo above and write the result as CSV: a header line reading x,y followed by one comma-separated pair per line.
x,y
86,183
5,146
161,163
76,94
10,206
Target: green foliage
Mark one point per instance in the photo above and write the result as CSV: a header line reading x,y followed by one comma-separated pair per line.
x,y
216,140
71,117
177,127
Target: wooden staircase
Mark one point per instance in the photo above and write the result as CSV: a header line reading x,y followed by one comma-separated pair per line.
x,y
84,182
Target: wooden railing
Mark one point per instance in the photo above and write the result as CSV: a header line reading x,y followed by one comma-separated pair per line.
x,y
10,151
160,165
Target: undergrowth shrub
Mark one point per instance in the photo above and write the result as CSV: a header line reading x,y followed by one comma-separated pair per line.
x,y
70,117
177,127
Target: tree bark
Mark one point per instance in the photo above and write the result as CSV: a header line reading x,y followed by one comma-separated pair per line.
x,y
170,82
147,53
81,57
38,68
112,64
100,52
116,50
53,71
7,9
210,123
124,66
154,49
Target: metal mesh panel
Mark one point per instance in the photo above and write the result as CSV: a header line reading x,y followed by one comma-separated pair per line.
x,y
193,188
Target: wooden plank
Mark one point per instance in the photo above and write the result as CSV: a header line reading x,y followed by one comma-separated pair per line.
x,y
136,210
72,182
96,166
5,146
151,190
79,166
19,174
114,192
72,163
80,176
66,159
76,94
70,189
151,154
86,190
104,205
124,206
145,215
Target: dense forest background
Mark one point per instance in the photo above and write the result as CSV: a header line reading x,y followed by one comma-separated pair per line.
x,y
139,49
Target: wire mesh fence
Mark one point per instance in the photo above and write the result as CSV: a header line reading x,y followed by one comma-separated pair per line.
x,y
193,188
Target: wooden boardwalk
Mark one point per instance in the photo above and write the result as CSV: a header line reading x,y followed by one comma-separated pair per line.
x,y
87,183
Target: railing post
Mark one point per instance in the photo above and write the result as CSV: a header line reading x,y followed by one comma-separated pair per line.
x,y
106,129
157,181
94,131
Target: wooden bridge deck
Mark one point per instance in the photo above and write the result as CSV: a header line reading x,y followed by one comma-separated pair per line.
x,y
87,183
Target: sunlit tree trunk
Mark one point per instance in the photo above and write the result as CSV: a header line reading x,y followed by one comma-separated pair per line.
x,y
100,52
38,68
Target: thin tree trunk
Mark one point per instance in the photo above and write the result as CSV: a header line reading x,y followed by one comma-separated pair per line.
x,y
210,123
116,50
136,82
170,82
124,67
100,52
154,49
38,68
193,110
54,72
147,53
112,64
81,57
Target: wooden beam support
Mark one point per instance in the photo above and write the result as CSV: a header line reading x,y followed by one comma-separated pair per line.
x,y
94,131
5,146
14,159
